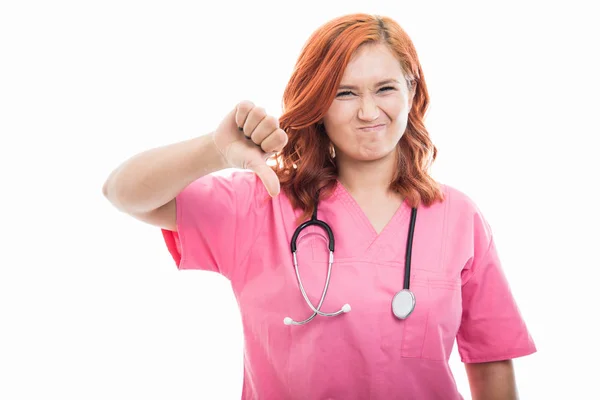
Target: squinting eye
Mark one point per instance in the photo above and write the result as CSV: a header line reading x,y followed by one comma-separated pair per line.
x,y
343,93
387,88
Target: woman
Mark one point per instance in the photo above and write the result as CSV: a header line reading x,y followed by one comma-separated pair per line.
x,y
351,150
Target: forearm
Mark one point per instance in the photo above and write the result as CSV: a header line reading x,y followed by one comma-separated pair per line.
x,y
154,177
492,381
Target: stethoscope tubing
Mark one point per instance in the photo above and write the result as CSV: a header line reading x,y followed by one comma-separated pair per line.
x,y
331,245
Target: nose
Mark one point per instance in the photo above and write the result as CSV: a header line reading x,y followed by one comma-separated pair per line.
x,y
368,111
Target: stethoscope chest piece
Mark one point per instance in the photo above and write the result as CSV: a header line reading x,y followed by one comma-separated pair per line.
x,y
403,303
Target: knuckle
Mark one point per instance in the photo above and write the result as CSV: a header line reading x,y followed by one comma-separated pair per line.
x,y
255,136
267,144
243,109
259,112
245,105
271,122
282,136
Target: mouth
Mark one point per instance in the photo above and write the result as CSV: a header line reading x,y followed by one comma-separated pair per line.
x,y
372,128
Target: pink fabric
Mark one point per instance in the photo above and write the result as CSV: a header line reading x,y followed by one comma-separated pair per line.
x,y
229,225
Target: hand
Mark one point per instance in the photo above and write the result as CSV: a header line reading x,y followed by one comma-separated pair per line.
x,y
247,137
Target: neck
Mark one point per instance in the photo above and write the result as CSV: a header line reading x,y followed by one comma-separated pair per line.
x,y
370,177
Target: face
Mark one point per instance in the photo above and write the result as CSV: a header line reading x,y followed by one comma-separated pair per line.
x,y
369,113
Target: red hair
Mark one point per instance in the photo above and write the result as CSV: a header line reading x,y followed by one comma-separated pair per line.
x,y
305,166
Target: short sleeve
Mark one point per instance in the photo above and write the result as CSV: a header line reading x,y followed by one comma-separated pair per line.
x,y
218,217
492,328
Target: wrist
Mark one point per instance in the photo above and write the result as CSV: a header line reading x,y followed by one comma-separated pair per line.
x,y
209,157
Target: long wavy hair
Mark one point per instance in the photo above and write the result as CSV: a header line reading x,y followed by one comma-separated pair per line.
x,y
305,167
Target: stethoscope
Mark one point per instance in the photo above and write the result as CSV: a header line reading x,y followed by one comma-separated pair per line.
x,y
403,302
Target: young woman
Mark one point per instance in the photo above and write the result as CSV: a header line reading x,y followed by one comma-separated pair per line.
x,y
367,299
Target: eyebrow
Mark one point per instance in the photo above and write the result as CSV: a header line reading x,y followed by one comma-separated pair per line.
x,y
378,84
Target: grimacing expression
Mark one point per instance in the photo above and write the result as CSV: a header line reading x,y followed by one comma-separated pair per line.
x,y
370,111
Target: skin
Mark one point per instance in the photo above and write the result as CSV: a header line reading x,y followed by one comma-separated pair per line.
x,y
492,380
365,122
365,156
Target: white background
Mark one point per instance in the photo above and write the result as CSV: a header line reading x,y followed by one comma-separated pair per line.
x,y
91,304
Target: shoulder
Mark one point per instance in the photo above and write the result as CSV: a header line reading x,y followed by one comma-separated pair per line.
x,y
457,200
238,182
244,187
463,212
226,191
233,177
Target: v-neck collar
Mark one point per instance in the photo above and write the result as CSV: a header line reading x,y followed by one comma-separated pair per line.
x,y
342,194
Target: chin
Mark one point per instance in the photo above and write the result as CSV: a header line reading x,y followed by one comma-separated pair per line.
x,y
373,155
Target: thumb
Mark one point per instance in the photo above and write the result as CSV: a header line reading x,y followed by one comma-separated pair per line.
x,y
268,177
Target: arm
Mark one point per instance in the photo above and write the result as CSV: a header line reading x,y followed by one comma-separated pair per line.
x,y
146,185
492,380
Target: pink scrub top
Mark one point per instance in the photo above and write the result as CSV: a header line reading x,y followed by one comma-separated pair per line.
x,y
230,225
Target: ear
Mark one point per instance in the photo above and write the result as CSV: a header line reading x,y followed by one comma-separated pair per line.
x,y
411,96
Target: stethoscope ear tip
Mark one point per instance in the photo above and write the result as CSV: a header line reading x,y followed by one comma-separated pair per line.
x,y
287,321
346,308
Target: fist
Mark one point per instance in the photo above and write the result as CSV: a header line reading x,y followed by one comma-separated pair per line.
x,y
247,137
